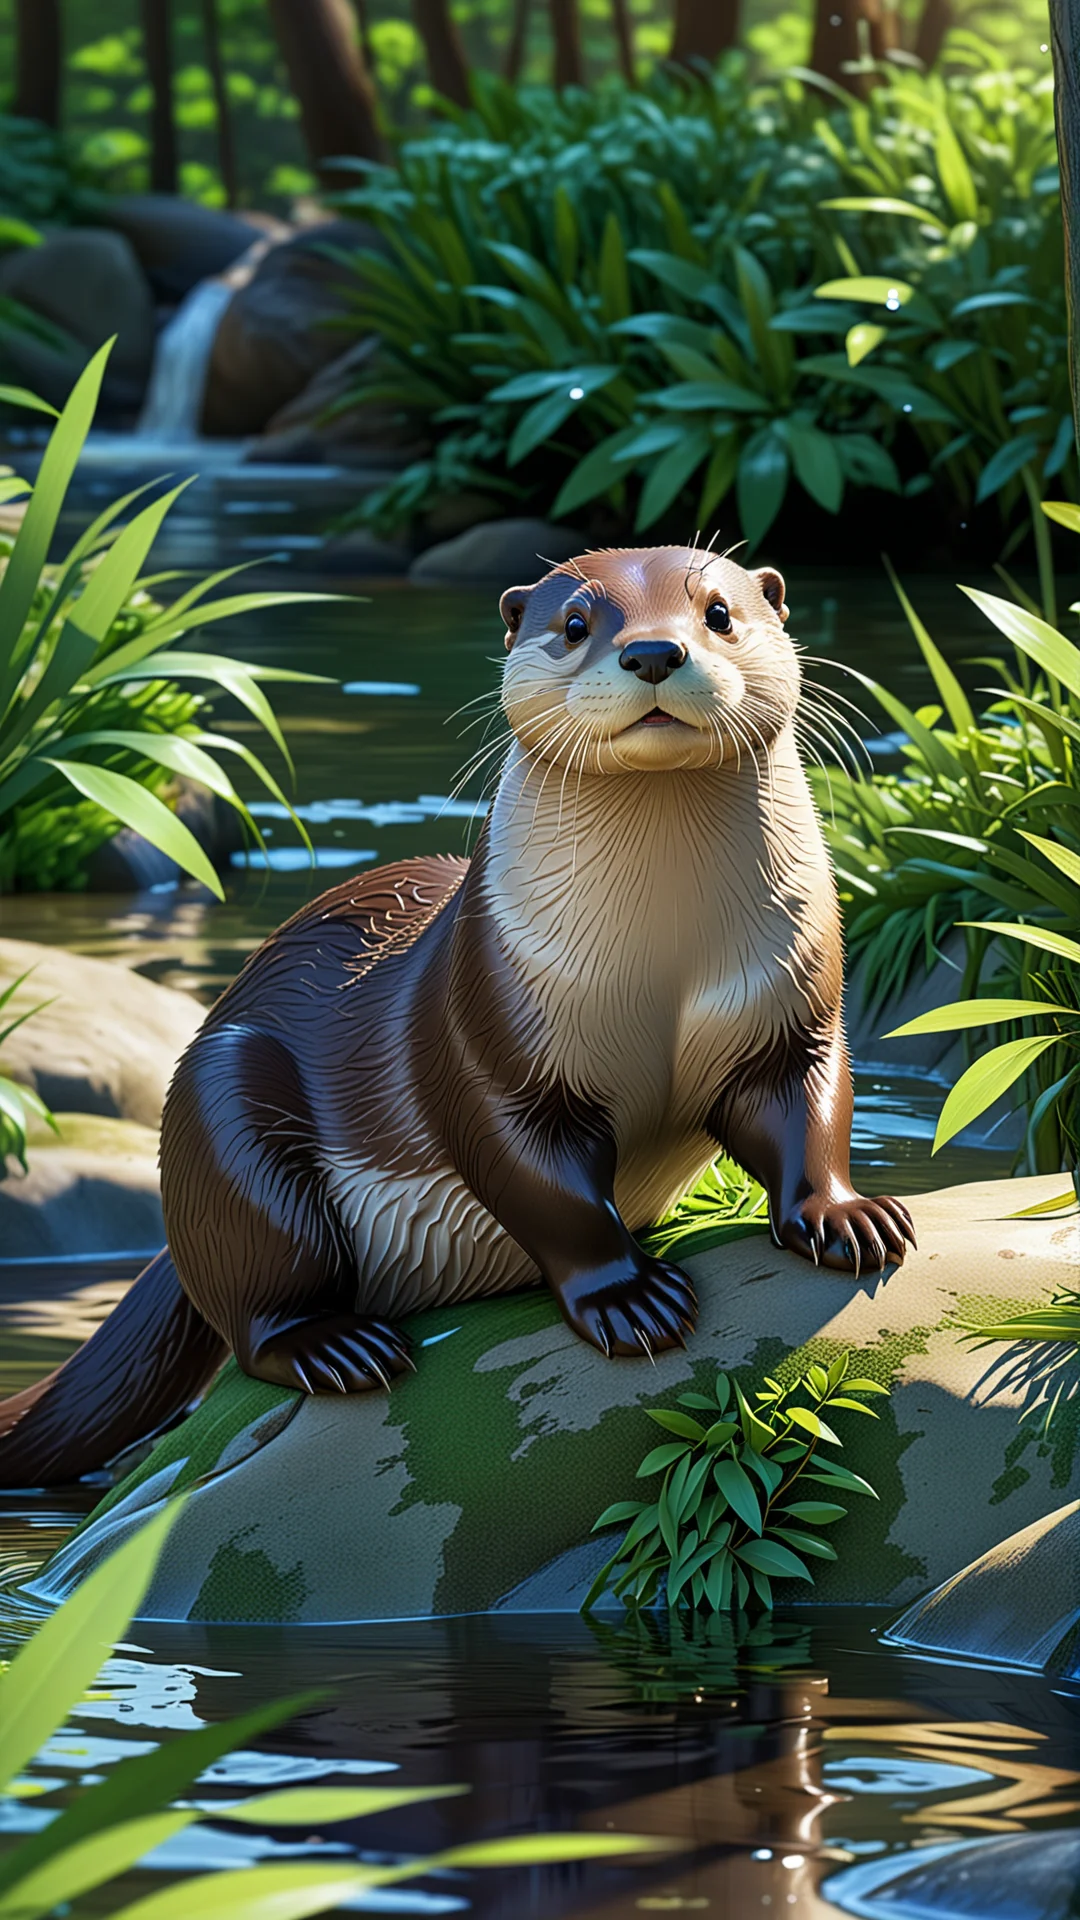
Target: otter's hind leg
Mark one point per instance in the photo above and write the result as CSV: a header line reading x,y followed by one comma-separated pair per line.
x,y
251,1227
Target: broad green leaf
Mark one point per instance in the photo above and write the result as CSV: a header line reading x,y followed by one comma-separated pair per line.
x,y
597,473
955,174
1042,643
256,1893
313,1807
807,1543
1005,465
861,339
975,1013
738,1489
985,1081
109,584
709,396
671,474
540,1849
770,1557
720,1432
812,1423
830,1473
761,483
89,1863
132,804
659,1458
819,1513
622,1511
49,1675
816,463
680,1423
883,203
936,752
874,290
1064,512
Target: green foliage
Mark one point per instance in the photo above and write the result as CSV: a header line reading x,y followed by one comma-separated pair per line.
x,y
1041,1366
595,300
89,701
731,1515
18,1105
724,1196
983,821
111,1825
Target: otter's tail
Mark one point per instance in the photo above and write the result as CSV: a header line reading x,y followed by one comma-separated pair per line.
x,y
135,1374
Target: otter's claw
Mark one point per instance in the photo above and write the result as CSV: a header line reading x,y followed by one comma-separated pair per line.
x,y
340,1353
854,1235
634,1306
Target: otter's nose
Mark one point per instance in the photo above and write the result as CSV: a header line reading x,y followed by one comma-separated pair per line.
x,y
652,660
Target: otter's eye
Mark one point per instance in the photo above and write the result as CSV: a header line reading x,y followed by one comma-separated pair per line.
x,y
717,617
576,629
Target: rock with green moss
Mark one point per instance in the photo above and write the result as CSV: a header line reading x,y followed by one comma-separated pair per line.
x,y
476,1482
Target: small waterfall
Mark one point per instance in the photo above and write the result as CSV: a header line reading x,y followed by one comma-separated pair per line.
x,y
174,396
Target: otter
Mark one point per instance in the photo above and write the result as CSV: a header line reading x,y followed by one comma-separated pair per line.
x,y
451,1078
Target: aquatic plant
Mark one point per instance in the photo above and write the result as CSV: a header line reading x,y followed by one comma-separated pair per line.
x,y
730,1517
111,1825
19,1105
593,300
96,706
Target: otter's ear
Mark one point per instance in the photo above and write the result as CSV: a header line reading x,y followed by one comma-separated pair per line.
x,y
772,586
512,607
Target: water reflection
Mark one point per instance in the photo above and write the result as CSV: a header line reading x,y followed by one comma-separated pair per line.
x,y
784,1753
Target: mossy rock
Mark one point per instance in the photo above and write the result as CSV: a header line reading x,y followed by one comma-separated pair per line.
x,y
475,1483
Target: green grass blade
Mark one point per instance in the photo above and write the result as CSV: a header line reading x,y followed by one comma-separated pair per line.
x,y
1040,937
31,549
144,813
89,1863
976,1013
51,1673
22,397
1042,643
311,1807
952,695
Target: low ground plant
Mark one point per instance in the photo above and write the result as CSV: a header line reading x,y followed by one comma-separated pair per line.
x,y
737,1507
19,1105
101,714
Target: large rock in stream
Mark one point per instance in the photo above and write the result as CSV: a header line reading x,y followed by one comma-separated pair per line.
x,y
475,1483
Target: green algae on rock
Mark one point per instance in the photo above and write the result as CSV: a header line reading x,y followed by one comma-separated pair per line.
x,y
476,1482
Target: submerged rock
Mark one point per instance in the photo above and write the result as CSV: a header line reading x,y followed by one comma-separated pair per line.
x,y
506,551
1018,1605
92,1188
1022,1876
475,1483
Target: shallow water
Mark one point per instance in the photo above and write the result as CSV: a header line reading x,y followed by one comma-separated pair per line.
x,y
789,1764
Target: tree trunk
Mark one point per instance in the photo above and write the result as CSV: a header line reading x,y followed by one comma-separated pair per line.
x,y
566,31
934,24
515,46
447,69
37,61
704,29
366,46
624,40
330,81
884,27
225,144
157,53
836,38
1065,41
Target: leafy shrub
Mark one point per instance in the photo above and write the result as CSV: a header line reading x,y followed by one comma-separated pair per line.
x,y
108,1828
93,709
989,809
593,301
724,1524
18,1105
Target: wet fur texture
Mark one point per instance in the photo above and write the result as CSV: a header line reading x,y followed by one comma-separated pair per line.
x,y
451,1078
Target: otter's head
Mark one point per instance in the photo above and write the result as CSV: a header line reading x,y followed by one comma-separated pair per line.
x,y
648,659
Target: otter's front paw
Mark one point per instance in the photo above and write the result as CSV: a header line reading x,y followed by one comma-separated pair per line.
x,y
851,1235
633,1306
337,1353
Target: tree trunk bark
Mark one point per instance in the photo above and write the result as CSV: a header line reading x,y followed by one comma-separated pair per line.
x,y
1065,41
515,46
226,146
884,25
447,69
330,81
566,31
366,47
836,38
38,61
934,24
624,40
704,29
157,52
